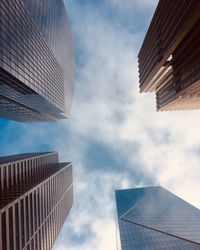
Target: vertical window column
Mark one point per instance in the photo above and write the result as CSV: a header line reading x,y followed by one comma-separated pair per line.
x,y
56,217
10,228
31,213
42,202
7,229
19,171
25,220
15,174
45,235
4,177
33,244
38,207
4,231
12,174
34,166
21,205
27,168
18,226
48,232
7,176
36,240
23,170
54,224
51,229
51,194
42,238
1,177
39,240
14,229
46,199
35,210
27,217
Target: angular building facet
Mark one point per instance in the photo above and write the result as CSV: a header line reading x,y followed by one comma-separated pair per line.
x,y
169,59
36,60
155,219
36,195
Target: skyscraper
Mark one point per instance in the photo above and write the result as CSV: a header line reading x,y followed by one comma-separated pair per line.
x,y
36,60
169,59
36,194
153,218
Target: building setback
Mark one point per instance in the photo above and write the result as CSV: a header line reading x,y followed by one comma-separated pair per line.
x,y
153,218
36,60
36,195
169,59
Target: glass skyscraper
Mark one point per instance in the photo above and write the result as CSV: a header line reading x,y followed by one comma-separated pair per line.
x,y
36,195
169,59
152,218
36,60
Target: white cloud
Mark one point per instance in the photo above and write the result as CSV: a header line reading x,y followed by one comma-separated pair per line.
x,y
105,237
93,216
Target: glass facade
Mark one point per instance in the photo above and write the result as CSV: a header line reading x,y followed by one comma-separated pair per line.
x,y
36,60
36,195
169,58
153,218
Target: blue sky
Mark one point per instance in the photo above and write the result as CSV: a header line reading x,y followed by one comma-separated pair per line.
x,y
114,136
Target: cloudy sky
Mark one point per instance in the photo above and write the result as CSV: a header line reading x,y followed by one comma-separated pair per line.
x,y
114,136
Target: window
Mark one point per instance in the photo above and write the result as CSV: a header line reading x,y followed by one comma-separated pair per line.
x,y
4,236
10,213
27,216
17,227
22,222
31,214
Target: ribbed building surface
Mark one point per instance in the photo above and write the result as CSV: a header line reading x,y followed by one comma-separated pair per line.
x,y
169,59
36,195
153,218
36,60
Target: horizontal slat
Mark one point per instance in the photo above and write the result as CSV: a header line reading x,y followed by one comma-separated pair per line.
x,y
169,26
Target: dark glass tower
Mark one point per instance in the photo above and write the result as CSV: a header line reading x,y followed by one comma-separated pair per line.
x,y
169,59
36,60
153,218
36,195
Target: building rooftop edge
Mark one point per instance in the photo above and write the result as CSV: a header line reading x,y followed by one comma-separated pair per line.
x,y
146,187
23,156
